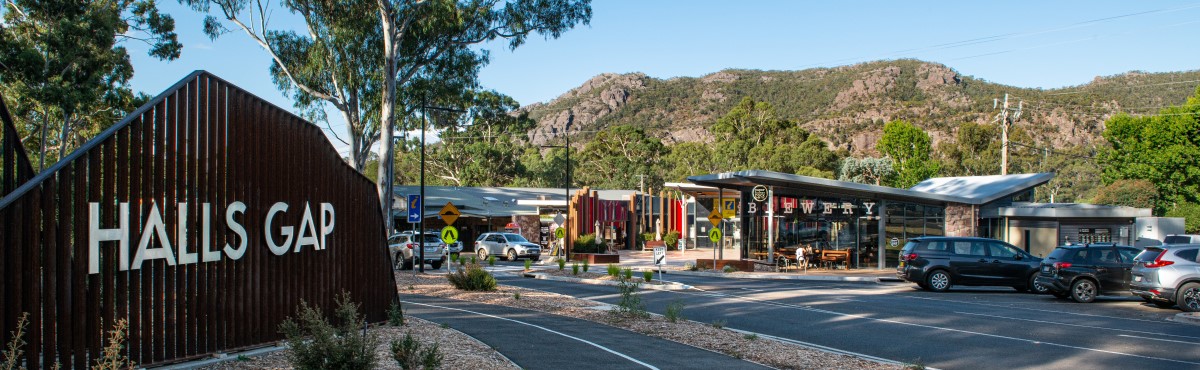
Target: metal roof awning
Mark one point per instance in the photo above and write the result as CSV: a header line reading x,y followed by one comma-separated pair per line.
x,y
975,190
1072,210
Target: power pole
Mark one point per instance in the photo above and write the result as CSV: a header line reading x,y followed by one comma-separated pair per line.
x,y
641,183
1005,121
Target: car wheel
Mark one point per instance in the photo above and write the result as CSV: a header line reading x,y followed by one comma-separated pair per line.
x,y
1083,291
1035,288
1189,297
436,264
512,254
938,281
483,254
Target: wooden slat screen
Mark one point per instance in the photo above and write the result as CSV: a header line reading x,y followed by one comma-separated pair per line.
x,y
204,145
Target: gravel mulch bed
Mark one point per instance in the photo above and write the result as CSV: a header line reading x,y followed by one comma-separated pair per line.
x,y
460,351
707,336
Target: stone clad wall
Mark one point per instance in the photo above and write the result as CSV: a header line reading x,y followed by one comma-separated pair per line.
x,y
530,227
961,220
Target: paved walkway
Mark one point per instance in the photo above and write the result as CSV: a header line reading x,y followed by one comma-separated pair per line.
x,y
675,261
535,340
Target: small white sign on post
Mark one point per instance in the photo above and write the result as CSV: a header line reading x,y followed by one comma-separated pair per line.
x,y
660,259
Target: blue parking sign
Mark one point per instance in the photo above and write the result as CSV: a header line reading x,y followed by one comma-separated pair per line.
x,y
414,208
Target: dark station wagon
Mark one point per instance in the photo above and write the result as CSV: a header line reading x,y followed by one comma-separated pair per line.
x,y
1084,271
936,263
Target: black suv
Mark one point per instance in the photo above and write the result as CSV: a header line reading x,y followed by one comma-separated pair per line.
x,y
936,263
1083,271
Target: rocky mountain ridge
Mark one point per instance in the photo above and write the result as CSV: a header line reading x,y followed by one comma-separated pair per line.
x,y
848,105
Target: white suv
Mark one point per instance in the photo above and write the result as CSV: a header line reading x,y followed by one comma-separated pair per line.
x,y
403,246
509,245
1168,275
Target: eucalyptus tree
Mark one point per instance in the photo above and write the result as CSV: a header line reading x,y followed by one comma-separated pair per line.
x,y
415,53
66,66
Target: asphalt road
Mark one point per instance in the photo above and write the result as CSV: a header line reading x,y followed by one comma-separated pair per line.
x,y
975,328
534,340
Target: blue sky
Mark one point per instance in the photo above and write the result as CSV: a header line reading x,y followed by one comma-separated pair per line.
x,y
1046,44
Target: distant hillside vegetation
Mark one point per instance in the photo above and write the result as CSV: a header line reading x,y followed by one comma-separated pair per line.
x,y
847,106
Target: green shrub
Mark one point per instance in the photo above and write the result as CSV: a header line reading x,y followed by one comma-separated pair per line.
x,y
645,237
473,260
395,315
491,260
586,265
631,303
318,344
113,357
575,268
614,271
672,240
690,266
562,263
750,337
719,324
409,355
528,264
516,296
453,257
588,244
675,311
473,277
647,275
12,355
730,268
628,273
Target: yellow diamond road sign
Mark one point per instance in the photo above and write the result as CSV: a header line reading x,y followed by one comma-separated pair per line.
x,y
715,217
449,213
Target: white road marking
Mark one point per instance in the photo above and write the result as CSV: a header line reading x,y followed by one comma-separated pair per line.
x,y
1076,325
1161,340
1031,309
606,349
890,321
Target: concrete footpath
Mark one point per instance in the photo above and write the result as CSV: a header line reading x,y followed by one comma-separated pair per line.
x,y
676,260
535,340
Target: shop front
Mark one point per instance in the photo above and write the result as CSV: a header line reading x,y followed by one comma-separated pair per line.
x,y
856,225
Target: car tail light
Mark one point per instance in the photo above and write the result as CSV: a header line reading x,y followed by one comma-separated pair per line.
x,y
911,257
1062,265
409,245
1158,262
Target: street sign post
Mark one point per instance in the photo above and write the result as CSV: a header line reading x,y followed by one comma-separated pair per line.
x,y
660,259
449,235
414,208
449,213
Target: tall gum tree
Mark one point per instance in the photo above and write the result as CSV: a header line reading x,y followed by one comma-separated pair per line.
x,y
424,54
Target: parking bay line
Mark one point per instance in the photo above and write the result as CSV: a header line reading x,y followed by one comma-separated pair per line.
x,y
1026,309
606,349
835,313
1162,340
1081,326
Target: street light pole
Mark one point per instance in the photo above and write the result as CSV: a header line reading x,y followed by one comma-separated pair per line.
x,y
567,136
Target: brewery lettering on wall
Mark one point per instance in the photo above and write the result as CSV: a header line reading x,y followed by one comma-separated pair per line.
x,y
156,230
789,205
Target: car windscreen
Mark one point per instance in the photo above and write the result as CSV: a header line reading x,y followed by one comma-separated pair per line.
x,y
514,238
1148,255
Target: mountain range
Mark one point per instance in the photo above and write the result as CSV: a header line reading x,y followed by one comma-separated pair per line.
x,y
847,106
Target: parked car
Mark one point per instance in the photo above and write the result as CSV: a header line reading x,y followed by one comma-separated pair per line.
x,y
508,245
402,246
936,263
1168,275
1083,271
1181,239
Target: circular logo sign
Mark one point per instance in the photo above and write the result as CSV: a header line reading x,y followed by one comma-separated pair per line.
x,y
895,241
759,193
714,235
560,233
449,235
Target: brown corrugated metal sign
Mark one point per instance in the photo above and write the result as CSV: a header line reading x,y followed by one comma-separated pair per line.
x,y
203,218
